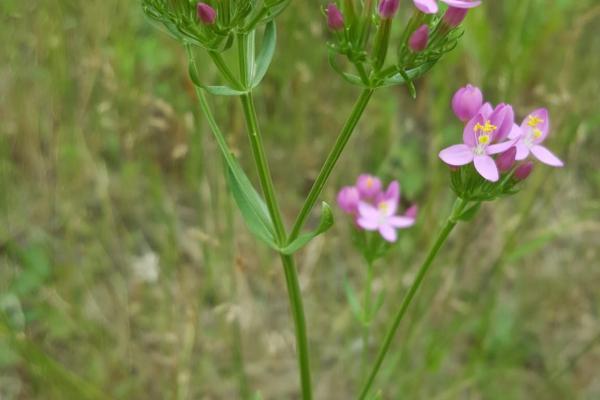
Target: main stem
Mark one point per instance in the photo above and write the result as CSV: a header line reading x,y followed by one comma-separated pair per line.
x,y
291,273
330,162
459,207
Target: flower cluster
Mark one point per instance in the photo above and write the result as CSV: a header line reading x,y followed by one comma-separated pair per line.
x,y
362,34
491,131
375,209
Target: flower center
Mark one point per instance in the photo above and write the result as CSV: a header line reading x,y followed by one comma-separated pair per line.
x,y
488,127
369,183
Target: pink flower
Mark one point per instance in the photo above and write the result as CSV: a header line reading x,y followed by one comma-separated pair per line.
x,y
206,13
479,134
431,7
382,217
419,39
335,19
466,102
530,136
348,199
368,186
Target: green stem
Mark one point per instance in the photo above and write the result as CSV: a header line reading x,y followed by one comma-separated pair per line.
x,y
224,69
330,162
367,315
297,307
459,207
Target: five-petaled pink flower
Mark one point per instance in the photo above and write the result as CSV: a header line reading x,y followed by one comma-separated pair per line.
x,y
382,217
530,136
480,134
374,209
431,6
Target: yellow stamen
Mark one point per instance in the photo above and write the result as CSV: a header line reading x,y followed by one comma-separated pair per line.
x,y
534,121
487,128
537,133
383,206
369,183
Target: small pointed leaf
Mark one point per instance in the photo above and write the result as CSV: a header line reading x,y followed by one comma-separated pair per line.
x,y
265,56
324,225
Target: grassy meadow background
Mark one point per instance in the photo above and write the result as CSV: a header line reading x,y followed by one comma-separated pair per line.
x,y
126,272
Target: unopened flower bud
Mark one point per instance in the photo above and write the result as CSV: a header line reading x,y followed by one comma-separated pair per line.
x,y
335,19
506,160
348,199
454,16
523,171
388,8
412,212
368,186
466,102
206,13
419,39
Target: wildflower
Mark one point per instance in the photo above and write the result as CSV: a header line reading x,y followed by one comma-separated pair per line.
x,y
335,19
523,171
466,102
388,8
348,199
206,13
530,136
368,186
454,16
419,39
478,138
431,7
382,217
506,160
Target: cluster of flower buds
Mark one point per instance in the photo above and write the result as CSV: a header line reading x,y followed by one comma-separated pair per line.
x,y
494,154
211,24
362,29
375,209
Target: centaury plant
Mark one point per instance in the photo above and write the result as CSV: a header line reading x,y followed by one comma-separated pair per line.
x,y
368,51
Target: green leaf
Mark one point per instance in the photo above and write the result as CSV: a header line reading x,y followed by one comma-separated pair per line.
x,y
324,225
252,206
353,79
357,310
409,83
265,56
253,209
216,90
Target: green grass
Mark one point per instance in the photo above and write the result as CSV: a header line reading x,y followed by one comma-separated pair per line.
x,y
104,159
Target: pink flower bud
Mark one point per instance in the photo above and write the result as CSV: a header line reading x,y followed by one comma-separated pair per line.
x,y
454,16
388,8
506,160
466,102
419,39
335,19
348,199
523,171
206,14
368,186
412,212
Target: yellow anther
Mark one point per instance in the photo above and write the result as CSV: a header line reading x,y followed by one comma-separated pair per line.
x,y
383,206
484,139
369,183
487,128
537,133
534,121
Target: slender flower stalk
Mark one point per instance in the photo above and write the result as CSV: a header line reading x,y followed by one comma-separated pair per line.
x,y
459,206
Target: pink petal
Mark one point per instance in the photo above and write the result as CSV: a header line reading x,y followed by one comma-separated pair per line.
x,y
427,6
457,155
486,110
544,126
401,222
522,151
388,233
546,156
486,167
499,147
515,132
469,135
368,211
368,224
462,3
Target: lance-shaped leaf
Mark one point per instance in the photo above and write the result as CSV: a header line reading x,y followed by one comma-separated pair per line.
x,y
265,55
325,223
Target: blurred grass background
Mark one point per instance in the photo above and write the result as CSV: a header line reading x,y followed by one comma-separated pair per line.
x,y
126,272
